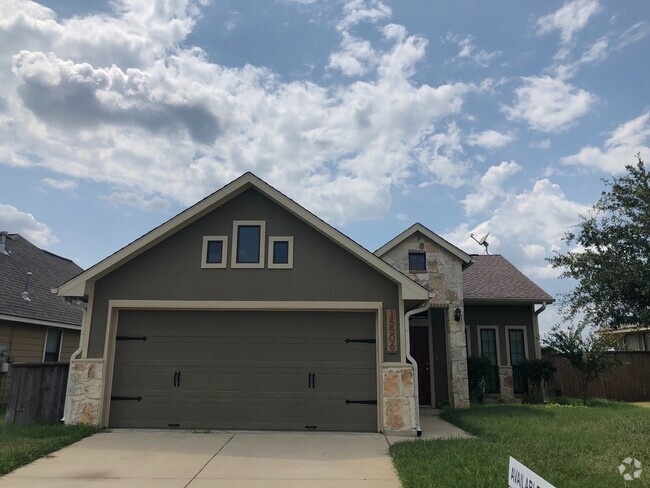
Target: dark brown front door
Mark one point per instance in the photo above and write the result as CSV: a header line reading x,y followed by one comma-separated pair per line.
x,y
420,352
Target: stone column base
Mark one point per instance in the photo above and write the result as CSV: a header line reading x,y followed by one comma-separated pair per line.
x,y
398,400
85,391
506,384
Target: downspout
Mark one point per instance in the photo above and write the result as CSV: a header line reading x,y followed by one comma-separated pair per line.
x,y
407,323
77,303
538,346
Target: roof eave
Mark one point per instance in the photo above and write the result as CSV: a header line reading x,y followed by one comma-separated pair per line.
x,y
508,301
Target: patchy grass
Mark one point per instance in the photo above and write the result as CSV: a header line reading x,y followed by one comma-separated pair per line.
x,y
569,446
22,444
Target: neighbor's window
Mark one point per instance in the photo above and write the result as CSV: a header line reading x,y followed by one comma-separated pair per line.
x,y
281,252
52,345
248,245
417,261
213,253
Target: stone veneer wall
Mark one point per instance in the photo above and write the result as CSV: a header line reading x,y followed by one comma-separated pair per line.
x,y
85,391
444,277
506,387
398,400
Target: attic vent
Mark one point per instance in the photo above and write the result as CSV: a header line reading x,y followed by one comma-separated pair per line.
x,y
3,242
25,293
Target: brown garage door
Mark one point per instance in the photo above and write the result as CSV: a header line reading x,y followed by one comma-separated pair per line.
x,y
245,370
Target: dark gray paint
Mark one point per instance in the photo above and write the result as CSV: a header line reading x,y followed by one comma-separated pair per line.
x,y
245,370
322,269
501,316
440,373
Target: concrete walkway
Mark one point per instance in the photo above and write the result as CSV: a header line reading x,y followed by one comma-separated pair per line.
x,y
177,459
433,427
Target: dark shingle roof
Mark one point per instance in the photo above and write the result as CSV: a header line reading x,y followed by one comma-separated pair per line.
x,y
48,271
494,278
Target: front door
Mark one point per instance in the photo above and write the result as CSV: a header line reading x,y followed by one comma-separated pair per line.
x,y
420,352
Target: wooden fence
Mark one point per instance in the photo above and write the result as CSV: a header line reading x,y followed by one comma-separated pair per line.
x,y
37,392
628,383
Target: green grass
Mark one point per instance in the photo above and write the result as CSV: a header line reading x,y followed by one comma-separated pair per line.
x,y
22,444
569,446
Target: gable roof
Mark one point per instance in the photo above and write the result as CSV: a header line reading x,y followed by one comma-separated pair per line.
x,y
418,227
76,287
48,271
492,278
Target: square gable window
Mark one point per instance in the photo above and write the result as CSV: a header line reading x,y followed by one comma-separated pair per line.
x,y
248,244
213,252
417,261
281,252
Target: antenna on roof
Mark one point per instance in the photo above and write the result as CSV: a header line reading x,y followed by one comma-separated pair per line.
x,y
25,293
482,241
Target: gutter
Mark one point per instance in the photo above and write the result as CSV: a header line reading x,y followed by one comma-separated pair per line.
x,y
540,309
83,306
407,323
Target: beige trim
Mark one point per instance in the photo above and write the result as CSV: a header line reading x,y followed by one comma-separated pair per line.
x,y
224,252
417,227
114,306
86,325
516,327
289,264
77,285
507,301
235,225
24,320
498,340
47,332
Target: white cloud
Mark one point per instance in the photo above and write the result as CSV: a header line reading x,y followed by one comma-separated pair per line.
x,y
568,20
138,201
490,139
468,52
120,99
490,187
355,58
619,149
543,144
66,185
548,104
14,221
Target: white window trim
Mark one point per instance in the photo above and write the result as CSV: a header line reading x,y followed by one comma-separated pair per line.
x,y
262,261
515,327
496,334
224,252
47,331
289,263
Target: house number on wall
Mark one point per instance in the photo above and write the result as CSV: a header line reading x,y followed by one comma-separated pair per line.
x,y
391,330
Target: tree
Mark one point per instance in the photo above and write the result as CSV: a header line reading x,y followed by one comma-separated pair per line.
x,y
586,351
610,255
538,372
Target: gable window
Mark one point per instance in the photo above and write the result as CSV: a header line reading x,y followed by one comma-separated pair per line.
x,y
213,253
52,345
417,261
248,244
281,252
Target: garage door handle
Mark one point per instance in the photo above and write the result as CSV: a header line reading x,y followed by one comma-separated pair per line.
x,y
175,379
179,378
309,381
313,381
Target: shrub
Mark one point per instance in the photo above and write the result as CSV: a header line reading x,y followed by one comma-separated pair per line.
x,y
538,372
477,368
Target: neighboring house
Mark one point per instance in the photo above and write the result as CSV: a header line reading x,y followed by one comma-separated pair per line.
x,y
35,325
246,311
632,338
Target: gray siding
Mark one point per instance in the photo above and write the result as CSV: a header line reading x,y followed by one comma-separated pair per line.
x,y
501,316
322,270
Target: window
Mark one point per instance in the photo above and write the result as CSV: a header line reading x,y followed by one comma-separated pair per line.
x,y
248,244
52,345
417,261
281,252
516,354
489,348
213,253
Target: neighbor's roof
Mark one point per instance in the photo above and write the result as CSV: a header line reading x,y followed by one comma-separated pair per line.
x,y
495,279
418,227
48,271
77,286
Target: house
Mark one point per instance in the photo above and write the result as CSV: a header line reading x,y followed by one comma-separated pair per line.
x,y
35,325
632,338
246,311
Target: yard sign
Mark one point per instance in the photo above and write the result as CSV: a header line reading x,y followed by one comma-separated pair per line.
x,y
519,476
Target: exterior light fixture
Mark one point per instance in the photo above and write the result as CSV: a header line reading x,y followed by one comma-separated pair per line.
x,y
457,314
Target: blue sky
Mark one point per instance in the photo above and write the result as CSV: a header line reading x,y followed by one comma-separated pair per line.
x,y
464,116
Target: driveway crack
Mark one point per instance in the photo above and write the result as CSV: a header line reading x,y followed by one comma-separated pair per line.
x,y
210,460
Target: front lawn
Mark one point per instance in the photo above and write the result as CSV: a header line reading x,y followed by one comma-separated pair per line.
x,y
22,444
569,446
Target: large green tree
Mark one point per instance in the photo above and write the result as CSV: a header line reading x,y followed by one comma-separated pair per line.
x,y
609,255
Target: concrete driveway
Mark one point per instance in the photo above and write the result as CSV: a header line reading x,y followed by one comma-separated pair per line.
x,y
175,459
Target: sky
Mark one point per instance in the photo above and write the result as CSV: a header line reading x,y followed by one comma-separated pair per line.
x,y
465,116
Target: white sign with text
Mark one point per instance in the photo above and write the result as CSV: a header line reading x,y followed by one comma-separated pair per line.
x,y
519,476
